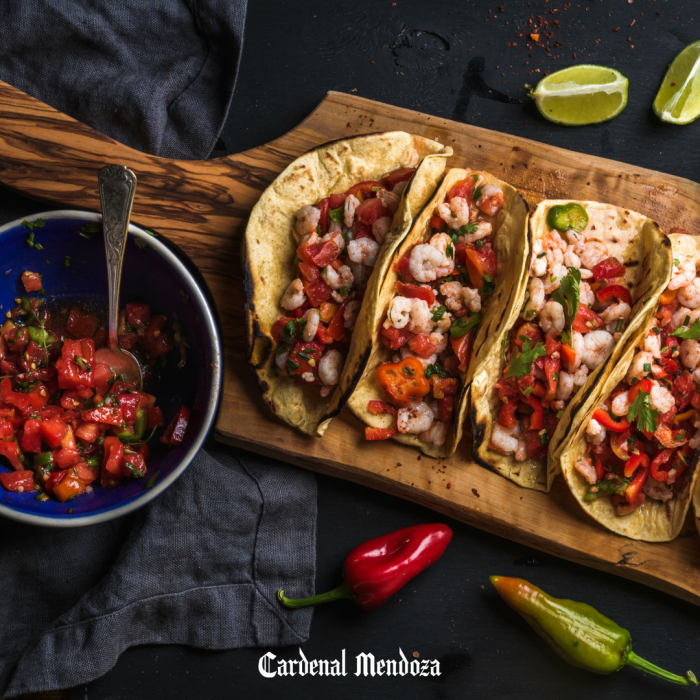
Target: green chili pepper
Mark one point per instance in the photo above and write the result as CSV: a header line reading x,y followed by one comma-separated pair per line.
x,y
43,459
139,429
93,462
568,217
577,632
39,335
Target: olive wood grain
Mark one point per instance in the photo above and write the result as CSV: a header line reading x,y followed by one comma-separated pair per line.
x,y
202,207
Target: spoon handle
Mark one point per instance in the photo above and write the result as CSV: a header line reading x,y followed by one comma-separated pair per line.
x,y
117,187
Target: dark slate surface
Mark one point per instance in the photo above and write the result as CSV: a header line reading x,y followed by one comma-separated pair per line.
x,y
294,52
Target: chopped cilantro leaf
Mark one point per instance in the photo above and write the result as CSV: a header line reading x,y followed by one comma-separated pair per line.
x,y
522,364
641,411
693,332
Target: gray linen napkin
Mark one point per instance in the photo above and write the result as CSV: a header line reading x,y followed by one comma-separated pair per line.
x,y
201,564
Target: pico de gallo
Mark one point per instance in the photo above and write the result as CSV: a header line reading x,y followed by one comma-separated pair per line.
x,y
339,239
65,420
642,439
576,309
431,322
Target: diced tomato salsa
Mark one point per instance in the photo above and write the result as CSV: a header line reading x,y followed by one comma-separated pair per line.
x,y
66,421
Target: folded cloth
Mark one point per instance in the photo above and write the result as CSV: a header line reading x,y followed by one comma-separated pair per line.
x,y
156,75
200,566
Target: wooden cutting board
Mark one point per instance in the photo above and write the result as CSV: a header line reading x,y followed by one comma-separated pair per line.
x,y
202,206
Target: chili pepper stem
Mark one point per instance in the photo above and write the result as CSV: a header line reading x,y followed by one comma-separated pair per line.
x,y
342,591
646,666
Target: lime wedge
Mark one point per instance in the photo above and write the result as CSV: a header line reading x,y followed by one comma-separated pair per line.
x,y
678,99
581,95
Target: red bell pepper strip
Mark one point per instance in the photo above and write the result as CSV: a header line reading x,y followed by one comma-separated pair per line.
x,y
379,407
415,291
377,569
109,415
609,423
633,462
661,458
112,462
175,432
634,490
537,417
506,417
380,433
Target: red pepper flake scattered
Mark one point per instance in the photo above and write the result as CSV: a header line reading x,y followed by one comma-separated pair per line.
x,y
616,29
633,21
631,46
535,37
476,493
501,8
415,654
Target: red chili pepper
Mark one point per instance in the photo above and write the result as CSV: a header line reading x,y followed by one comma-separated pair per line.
x,y
375,570
606,420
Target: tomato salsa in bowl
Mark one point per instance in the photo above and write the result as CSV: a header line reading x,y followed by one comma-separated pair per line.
x,y
55,262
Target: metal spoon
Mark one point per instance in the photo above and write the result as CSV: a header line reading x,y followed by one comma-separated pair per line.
x,y
117,187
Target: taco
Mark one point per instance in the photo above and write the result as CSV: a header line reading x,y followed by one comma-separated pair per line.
x,y
317,242
441,309
595,272
632,461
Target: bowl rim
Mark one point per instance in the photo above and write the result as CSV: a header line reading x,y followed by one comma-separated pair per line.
x,y
148,495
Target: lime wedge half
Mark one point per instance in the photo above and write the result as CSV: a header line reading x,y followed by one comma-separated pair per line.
x,y
678,99
579,95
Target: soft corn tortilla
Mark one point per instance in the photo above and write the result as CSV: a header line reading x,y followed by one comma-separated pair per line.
x,y
510,243
645,251
271,257
653,521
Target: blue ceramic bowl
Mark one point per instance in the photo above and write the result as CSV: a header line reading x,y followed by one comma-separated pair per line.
x,y
154,273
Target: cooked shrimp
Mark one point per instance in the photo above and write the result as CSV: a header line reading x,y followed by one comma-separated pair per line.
x,y
415,419
580,375
330,367
661,399
351,204
390,200
399,311
554,257
483,229
503,440
456,213
535,299
491,200
363,250
352,309
335,279
308,377
690,353
595,432
565,386
412,160
294,297
439,340
281,360
694,441
436,434
441,241
472,300
553,241
640,367
554,277
570,258
684,317
586,295
585,468
452,291
621,404
652,344
578,347
360,274
682,274
427,263
615,313
690,294
336,236
538,266
657,490
307,221
597,348
380,228
552,319
591,253
312,317
420,319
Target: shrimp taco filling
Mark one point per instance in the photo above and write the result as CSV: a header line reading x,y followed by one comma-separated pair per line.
x,y
339,240
431,322
642,438
576,309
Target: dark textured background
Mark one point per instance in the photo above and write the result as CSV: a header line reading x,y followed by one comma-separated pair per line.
x,y
445,59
